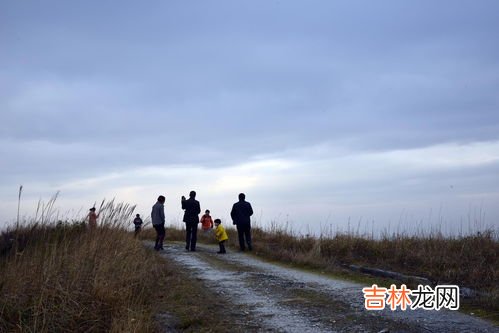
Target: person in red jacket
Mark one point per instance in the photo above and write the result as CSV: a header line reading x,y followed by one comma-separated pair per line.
x,y
206,221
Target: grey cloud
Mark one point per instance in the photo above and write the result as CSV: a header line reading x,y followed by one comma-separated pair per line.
x,y
89,88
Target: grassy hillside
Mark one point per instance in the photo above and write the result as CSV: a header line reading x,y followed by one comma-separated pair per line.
x,y
63,277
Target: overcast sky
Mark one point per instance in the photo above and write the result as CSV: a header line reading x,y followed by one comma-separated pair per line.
x,y
325,113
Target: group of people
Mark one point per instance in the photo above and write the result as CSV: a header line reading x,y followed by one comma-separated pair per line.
x,y
92,221
240,214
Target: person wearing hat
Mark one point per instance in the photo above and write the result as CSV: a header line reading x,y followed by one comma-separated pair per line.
x,y
92,218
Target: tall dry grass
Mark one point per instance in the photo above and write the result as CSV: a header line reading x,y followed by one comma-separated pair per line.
x,y
470,261
59,276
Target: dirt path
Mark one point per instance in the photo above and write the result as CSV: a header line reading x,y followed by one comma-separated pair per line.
x,y
272,298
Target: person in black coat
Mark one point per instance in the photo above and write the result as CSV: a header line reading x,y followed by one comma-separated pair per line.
x,y
240,214
191,219
138,224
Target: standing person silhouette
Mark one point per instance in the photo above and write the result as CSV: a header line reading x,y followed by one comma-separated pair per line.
x,y
92,219
240,214
191,219
158,222
138,224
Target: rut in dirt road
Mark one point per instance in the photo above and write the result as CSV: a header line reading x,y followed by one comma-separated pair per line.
x,y
270,297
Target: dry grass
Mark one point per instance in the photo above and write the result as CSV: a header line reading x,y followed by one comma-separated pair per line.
x,y
469,261
63,277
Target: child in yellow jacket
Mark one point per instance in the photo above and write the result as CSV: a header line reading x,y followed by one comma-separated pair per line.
x,y
220,235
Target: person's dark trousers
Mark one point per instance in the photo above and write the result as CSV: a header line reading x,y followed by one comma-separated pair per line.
x,y
244,231
160,236
222,247
191,235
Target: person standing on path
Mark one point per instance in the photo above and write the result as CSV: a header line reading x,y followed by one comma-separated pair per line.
x,y
240,214
220,235
191,219
158,222
206,221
